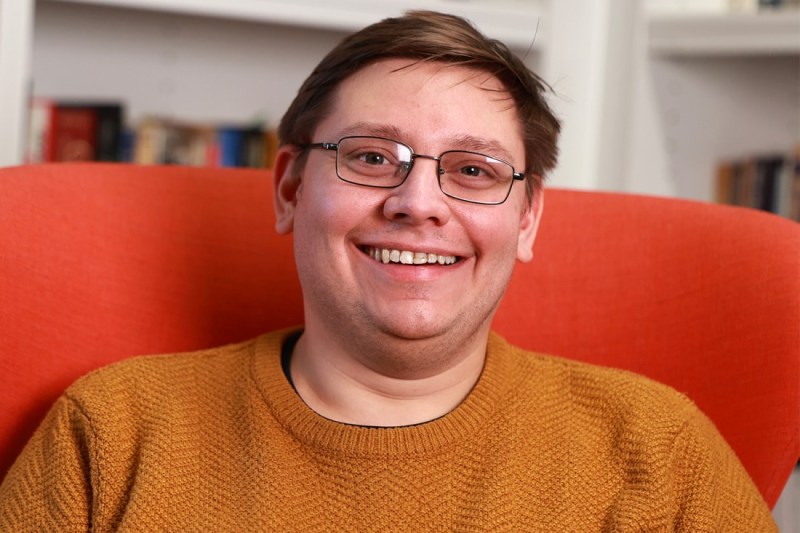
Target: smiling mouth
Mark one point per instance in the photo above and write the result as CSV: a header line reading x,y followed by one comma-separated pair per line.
x,y
406,257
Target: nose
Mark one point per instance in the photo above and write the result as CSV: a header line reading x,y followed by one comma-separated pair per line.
x,y
418,199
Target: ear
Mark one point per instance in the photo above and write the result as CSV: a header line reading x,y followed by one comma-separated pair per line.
x,y
529,225
286,184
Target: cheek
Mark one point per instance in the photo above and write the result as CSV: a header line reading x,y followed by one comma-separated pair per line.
x,y
326,214
315,225
494,236
317,231
317,201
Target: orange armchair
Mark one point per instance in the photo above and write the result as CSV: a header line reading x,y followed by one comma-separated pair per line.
x,y
99,262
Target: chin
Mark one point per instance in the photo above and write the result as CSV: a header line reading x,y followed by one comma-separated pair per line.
x,y
415,332
447,334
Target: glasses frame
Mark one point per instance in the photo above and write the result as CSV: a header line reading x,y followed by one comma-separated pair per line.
x,y
334,147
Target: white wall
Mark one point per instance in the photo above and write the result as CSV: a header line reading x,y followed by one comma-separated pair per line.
x,y
186,67
633,121
182,66
588,64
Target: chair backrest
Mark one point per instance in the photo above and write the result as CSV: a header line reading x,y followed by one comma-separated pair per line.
x,y
99,262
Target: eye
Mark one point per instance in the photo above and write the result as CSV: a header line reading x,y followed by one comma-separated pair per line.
x,y
472,171
372,158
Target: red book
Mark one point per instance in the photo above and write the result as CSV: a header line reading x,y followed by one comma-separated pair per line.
x,y
74,134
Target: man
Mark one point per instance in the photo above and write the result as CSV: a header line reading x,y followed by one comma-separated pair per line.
x,y
410,175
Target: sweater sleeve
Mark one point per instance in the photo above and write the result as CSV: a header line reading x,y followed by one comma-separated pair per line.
x,y
49,486
714,492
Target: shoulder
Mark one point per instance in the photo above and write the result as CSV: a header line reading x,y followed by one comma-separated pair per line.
x,y
170,381
654,444
649,445
601,396
177,369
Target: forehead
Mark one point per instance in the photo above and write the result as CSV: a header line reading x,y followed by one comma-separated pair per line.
x,y
428,104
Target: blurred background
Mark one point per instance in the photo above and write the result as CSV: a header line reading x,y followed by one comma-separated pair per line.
x,y
697,99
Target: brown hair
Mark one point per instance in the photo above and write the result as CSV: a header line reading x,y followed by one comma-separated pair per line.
x,y
430,36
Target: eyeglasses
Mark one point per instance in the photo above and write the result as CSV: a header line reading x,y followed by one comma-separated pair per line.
x,y
385,164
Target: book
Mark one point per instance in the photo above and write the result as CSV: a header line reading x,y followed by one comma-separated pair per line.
x,y
769,182
166,141
242,146
783,188
726,183
73,131
698,7
255,149
40,147
158,141
74,134
107,118
794,202
271,145
778,4
766,172
717,6
232,147
109,131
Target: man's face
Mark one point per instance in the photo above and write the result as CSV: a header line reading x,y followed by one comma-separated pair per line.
x,y
339,227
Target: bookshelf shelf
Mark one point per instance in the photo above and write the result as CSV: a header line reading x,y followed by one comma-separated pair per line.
x,y
709,88
511,21
639,95
742,34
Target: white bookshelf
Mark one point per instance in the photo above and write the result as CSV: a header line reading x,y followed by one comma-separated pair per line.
x,y
648,102
511,21
178,57
743,34
16,26
709,87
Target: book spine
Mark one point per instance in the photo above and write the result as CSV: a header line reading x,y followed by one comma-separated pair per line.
x,y
75,134
794,211
40,147
770,182
74,131
109,132
166,141
231,147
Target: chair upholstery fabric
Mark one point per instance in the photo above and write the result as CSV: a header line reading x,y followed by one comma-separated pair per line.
x,y
99,262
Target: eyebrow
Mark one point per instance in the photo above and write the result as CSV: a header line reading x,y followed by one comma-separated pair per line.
x,y
485,146
462,142
372,129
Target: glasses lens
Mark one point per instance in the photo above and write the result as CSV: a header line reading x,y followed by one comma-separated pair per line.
x,y
372,161
475,177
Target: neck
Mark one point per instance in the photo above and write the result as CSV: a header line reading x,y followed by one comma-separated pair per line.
x,y
347,387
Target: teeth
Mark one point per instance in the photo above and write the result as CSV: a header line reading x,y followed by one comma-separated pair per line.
x,y
407,257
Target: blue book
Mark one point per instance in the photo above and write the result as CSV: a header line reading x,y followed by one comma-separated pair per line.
x,y
231,147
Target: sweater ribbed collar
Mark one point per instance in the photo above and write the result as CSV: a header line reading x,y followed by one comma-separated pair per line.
x,y
319,432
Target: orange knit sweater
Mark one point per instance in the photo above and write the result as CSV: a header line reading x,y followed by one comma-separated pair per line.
x,y
219,441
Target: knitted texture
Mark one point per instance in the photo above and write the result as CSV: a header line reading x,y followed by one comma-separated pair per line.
x,y
219,441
